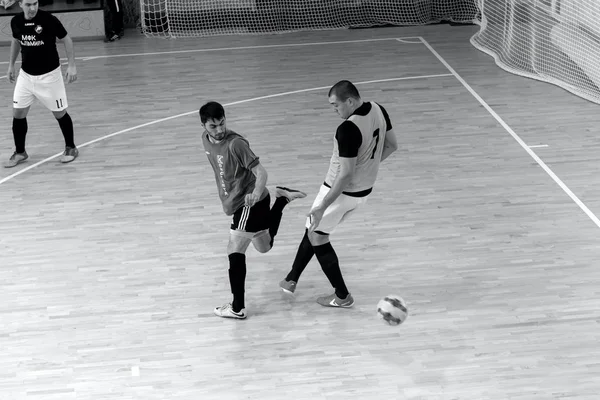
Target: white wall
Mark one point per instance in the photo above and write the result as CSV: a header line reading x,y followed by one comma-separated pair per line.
x,y
79,24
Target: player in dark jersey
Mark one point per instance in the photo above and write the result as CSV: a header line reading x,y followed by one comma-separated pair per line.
x,y
362,141
34,35
241,183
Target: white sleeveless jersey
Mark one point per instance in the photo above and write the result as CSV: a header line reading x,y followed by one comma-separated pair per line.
x,y
373,127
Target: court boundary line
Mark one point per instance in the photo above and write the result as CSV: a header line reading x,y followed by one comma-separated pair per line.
x,y
266,46
157,121
521,142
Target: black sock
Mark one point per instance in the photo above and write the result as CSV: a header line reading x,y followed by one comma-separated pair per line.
x,y
237,279
117,22
19,128
275,216
331,267
303,257
66,126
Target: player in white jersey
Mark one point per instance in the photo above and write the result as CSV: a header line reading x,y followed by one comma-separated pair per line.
x,y
362,141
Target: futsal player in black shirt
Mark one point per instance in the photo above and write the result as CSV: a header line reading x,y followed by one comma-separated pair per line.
x,y
34,34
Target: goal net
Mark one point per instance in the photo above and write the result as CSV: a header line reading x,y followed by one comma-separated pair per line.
x,y
556,41
181,18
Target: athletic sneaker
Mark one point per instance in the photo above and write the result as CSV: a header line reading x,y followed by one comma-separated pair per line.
x,y
334,301
112,38
290,194
69,155
288,287
16,158
226,311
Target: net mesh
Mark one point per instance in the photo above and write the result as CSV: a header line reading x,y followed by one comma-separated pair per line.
x,y
557,41
180,18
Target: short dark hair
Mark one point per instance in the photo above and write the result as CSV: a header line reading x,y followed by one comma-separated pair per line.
x,y
343,90
211,110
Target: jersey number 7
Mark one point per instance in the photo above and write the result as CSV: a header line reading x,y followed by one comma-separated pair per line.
x,y
376,136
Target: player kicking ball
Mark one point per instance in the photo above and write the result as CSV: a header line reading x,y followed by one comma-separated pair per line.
x,y
362,141
241,182
34,35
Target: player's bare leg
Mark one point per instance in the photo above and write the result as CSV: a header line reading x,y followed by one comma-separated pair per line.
x,y
263,241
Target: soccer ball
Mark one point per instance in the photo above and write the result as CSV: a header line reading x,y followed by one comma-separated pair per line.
x,y
392,309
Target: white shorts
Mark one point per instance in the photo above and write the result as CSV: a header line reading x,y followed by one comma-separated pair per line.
x,y
337,212
49,89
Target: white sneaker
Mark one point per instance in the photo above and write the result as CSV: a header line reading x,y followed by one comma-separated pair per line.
x,y
226,311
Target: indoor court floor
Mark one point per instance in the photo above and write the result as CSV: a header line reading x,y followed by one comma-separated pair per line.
x,y
484,221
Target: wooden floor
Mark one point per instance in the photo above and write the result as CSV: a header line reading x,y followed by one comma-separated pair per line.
x,y
111,265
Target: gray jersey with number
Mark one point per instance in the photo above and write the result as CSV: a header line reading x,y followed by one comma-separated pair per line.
x,y
362,136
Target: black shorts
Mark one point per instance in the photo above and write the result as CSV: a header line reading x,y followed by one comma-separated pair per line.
x,y
252,219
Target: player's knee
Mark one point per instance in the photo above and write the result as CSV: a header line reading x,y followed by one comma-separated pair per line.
x,y
20,113
262,249
263,243
235,249
59,114
318,238
237,245
262,246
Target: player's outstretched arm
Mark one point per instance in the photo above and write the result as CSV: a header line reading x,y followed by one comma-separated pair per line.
x,y
71,75
15,48
390,144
